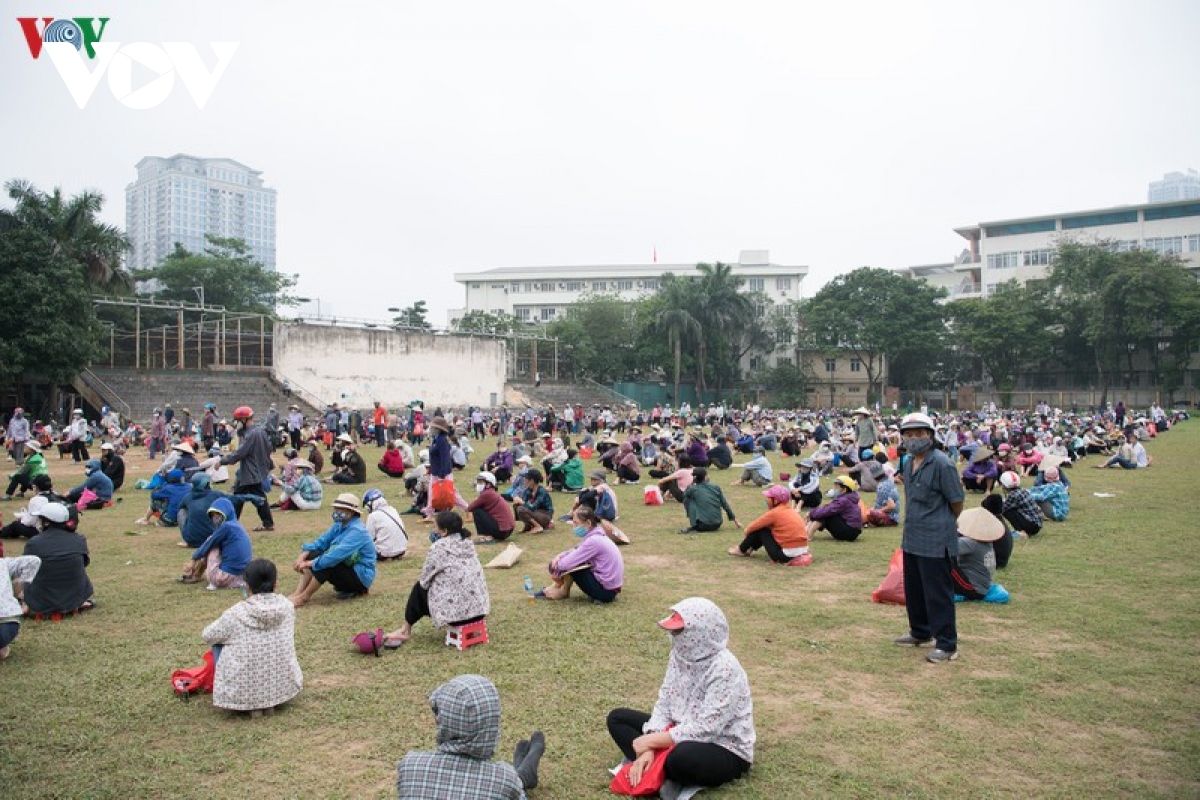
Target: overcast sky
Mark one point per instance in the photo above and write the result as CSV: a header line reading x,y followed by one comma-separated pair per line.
x,y
409,141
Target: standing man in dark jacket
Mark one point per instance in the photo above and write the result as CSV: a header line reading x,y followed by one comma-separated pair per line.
x,y
254,459
933,499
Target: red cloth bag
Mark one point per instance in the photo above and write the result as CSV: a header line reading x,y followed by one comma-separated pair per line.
x,y
891,590
441,494
652,779
197,680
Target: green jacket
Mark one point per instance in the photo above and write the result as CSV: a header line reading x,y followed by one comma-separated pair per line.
x,y
34,465
573,474
704,503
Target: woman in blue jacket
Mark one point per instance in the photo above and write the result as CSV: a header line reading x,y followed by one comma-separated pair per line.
x,y
343,556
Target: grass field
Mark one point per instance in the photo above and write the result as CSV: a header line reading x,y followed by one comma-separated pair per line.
x,y
1085,685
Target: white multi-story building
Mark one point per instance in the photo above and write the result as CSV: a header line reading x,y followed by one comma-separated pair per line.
x,y
1175,186
1023,248
543,294
183,198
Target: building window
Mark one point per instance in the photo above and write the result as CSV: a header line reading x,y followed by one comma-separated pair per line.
x,y
497,285
785,337
548,313
831,365
783,284
1164,244
523,314
515,287
1172,212
624,286
1039,258
783,361
1193,243
755,362
474,285
599,286
574,286
1017,228
756,284
854,389
1096,220
855,365
1004,260
650,283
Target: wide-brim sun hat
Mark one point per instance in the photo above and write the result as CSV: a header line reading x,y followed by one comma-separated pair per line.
x,y
34,446
672,623
184,447
847,481
777,493
980,524
862,410
345,437
439,423
348,502
980,454
916,420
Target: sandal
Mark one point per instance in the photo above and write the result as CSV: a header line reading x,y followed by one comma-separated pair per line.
x,y
187,579
264,528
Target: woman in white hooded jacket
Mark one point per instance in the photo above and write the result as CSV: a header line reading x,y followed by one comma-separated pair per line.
x,y
254,646
704,708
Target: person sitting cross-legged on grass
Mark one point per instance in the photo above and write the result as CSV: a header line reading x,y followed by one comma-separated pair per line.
x,y
780,531
595,564
62,585
344,555
467,709
452,589
704,501
704,709
254,646
841,516
975,565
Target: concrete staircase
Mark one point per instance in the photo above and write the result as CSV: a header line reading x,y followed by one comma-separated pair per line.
x,y
559,395
136,393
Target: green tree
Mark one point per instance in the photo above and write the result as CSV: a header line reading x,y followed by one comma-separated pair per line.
x,y
1007,331
229,275
676,320
412,317
875,314
482,322
598,337
1117,304
722,310
51,331
70,227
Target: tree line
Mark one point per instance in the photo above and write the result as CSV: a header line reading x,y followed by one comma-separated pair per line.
x,y
1099,312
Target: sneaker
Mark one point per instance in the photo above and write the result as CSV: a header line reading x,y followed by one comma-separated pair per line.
x,y
211,587
908,640
801,561
939,656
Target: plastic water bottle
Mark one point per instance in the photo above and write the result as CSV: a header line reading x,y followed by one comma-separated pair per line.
x,y
529,586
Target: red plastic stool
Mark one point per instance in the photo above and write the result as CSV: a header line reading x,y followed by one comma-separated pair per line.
x,y
469,635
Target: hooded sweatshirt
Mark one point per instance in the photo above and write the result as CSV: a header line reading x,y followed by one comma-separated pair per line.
x,y
706,694
198,526
230,539
468,731
258,667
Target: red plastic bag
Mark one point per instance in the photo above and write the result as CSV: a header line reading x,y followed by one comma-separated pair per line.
x,y
892,588
441,494
652,495
197,680
652,779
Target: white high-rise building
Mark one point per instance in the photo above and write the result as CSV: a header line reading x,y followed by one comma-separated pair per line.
x,y
184,198
1176,186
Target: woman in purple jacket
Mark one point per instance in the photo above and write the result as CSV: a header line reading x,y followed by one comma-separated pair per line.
x,y
841,516
595,564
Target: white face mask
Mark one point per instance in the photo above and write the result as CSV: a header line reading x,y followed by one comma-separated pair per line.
x,y
479,487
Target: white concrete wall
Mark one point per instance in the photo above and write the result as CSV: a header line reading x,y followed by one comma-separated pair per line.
x,y
356,366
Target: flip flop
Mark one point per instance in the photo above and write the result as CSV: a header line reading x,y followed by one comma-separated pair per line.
x,y
264,528
393,644
540,594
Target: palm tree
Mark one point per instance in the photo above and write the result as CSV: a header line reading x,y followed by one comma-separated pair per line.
x,y
721,309
72,229
676,318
